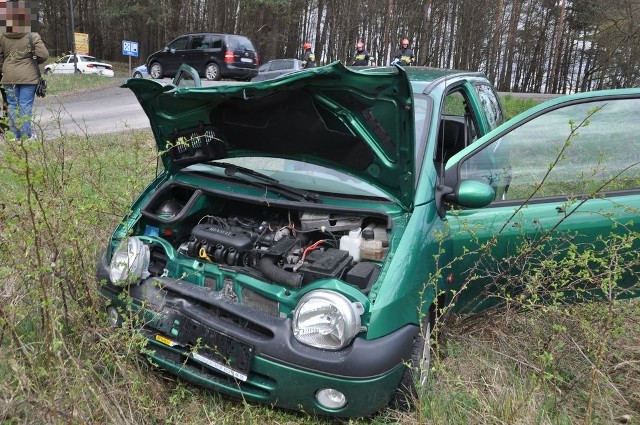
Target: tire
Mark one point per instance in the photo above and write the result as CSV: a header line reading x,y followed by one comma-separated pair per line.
x,y
156,71
212,72
137,75
416,373
47,71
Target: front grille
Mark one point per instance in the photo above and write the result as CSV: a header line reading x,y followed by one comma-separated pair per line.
x,y
263,304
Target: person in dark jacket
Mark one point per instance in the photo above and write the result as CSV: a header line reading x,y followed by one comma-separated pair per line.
x,y
19,73
404,56
362,55
308,58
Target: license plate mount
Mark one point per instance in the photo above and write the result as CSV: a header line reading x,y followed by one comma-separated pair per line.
x,y
217,350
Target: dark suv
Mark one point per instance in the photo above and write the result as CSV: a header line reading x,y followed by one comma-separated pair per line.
x,y
214,56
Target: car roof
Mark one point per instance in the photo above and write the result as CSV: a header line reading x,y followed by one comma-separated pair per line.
x,y
423,78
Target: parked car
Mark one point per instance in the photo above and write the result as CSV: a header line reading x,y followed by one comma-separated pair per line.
x,y
84,65
140,72
277,67
214,56
305,231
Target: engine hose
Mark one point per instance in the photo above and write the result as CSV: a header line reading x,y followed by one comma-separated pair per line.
x,y
269,268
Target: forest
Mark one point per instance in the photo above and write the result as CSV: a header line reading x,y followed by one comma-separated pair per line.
x,y
541,46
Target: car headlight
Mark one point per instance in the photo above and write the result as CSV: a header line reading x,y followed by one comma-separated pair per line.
x,y
130,262
326,319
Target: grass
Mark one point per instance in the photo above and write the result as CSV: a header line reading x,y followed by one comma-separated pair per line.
x,y
62,364
513,105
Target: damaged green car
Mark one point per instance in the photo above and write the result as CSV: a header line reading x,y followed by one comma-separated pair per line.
x,y
291,250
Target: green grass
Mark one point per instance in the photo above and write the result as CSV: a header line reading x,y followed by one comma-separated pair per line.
x,y
513,105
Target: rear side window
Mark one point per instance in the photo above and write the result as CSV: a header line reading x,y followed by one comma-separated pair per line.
x,y
198,42
213,41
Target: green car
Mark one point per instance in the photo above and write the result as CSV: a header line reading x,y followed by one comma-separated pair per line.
x,y
303,233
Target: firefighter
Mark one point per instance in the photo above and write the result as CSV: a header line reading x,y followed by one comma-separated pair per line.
x,y
308,58
404,56
362,56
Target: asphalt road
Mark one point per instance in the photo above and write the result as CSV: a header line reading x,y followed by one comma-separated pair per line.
x,y
108,109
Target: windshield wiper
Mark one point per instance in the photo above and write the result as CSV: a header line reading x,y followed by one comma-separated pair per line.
x,y
231,170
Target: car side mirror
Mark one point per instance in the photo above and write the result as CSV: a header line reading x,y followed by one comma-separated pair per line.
x,y
467,194
474,194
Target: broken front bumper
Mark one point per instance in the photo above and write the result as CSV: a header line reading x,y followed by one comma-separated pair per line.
x,y
202,336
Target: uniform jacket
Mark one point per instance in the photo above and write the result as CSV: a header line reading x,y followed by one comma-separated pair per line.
x,y
405,56
16,64
362,58
309,59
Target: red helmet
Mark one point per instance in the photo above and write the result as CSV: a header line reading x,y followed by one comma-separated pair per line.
x,y
360,45
306,45
405,42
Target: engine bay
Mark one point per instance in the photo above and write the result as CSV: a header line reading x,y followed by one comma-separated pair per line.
x,y
280,244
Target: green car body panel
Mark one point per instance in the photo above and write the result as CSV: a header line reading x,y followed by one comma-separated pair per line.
x,y
267,187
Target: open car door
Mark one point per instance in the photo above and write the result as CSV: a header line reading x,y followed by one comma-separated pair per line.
x,y
548,204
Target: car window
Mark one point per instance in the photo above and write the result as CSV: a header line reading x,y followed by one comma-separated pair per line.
x,y
422,113
197,42
280,65
65,59
265,67
237,42
578,149
458,126
180,43
490,104
214,41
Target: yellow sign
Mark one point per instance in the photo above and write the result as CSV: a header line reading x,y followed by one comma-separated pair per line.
x,y
82,43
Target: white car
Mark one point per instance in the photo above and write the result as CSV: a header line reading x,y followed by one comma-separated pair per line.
x,y
140,72
85,65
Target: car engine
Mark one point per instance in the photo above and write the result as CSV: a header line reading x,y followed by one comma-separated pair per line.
x,y
285,246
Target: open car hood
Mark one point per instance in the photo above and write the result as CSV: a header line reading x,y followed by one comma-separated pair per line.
x,y
360,122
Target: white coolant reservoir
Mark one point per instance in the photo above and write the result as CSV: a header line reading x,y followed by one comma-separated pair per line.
x,y
351,243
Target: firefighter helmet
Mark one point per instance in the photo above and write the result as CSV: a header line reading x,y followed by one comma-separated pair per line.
x,y
306,45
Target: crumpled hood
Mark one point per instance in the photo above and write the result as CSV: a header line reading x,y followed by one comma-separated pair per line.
x,y
360,122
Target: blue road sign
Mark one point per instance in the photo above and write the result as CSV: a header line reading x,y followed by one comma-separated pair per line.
x,y
129,48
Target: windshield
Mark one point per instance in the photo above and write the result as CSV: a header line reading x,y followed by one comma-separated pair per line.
x,y
301,175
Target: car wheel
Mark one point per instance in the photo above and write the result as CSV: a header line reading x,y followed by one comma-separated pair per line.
x,y
416,373
137,75
156,71
212,72
47,71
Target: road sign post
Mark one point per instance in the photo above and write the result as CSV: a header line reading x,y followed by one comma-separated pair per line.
x,y
130,48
